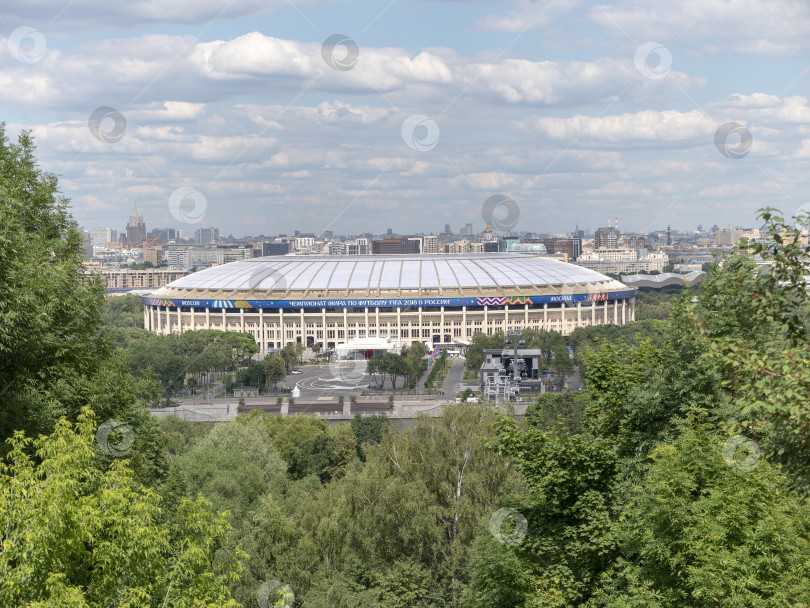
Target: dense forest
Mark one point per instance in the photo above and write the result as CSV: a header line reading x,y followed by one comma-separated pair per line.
x,y
679,477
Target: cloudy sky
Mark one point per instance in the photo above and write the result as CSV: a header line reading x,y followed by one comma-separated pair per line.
x,y
265,116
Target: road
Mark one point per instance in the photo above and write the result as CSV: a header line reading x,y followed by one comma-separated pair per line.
x,y
451,382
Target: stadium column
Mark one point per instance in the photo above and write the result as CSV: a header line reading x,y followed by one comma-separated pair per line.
x,y
545,316
605,314
377,320
283,334
345,326
207,318
464,320
242,320
420,324
323,329
506,318
526,315
146,317
486,324
441,322
179,321
562,317
399,324
616,312
262,332
593,313
368,333
303,329
224,326
193,325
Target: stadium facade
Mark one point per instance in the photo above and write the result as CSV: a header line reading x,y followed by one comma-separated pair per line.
x,y
402,298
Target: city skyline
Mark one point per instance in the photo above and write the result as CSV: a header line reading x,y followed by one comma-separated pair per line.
x,y
257,118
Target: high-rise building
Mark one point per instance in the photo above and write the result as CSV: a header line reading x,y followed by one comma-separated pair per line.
x,y
87,243
136,228
394,246
165,234
281,247
468,229
569,246
206,236
430,244
606,238
103,236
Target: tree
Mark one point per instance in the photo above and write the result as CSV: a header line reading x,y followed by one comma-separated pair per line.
x,y
316,348
704,532
289,354
275,370
78,531
54,358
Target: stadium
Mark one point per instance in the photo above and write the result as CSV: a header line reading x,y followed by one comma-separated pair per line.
x,y
399,299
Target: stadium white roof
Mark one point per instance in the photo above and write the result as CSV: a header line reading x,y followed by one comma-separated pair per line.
x,y
366,275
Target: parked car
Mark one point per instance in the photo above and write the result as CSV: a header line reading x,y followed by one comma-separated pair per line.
x,y
296,371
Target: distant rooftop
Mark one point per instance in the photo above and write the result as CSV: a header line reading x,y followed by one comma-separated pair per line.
x,y
657,281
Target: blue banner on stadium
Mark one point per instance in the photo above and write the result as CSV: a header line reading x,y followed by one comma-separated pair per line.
x,y
491,301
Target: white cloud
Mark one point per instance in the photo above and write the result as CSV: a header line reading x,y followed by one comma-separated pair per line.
x,y
762,27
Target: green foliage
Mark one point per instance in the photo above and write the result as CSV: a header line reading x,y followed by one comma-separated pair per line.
x,y
561,412
699,532
123,311
76,532
658,303
232,466
435,371
584,338
54,359
369,430
171,358
410,364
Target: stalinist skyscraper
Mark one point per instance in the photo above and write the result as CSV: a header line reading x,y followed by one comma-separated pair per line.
x,y
136,228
